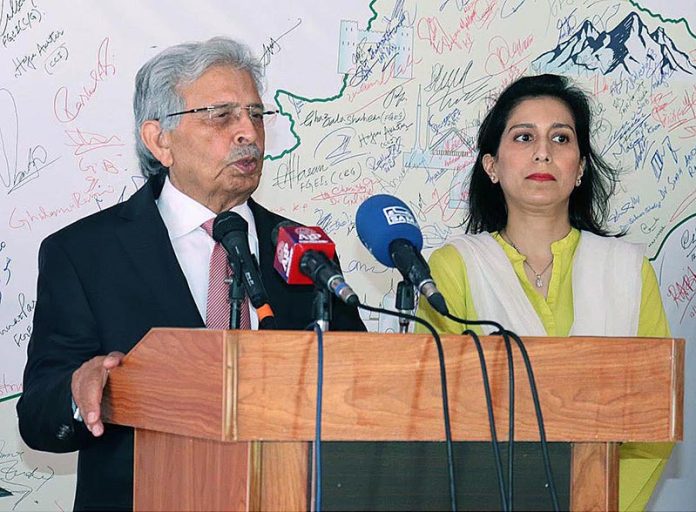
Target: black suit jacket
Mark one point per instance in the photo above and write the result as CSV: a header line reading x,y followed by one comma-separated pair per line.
x,y
104,281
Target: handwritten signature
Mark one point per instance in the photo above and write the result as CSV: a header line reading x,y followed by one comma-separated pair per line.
x,y
25,311
7,270
83,142
95,193
332,222
272,48
65,107
503,55
7,389
449,87
430,29
23,482
26,62
688,243
60,54
12,175
3,245
510,7
684,289
13,21
458,4
17,481
385,50
335,147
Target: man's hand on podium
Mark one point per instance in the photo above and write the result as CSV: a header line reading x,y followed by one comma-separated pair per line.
x,y
87,386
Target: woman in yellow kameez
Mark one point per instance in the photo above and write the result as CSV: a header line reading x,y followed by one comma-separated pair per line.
x,y
537,257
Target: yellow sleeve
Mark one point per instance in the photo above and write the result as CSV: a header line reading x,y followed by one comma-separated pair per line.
x,y
652,321
449,273
641,464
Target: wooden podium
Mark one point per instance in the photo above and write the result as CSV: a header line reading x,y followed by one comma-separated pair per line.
x,y
223,419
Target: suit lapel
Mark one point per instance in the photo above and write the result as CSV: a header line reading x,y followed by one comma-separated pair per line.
x,y
265,222
145,241
285,300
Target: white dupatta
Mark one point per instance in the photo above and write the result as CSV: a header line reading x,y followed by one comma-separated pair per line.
x,y
606,286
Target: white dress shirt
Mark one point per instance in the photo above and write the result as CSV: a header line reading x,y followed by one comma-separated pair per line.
x,y
183,217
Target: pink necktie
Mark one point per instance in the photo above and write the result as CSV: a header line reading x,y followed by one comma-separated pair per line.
x,y
218,306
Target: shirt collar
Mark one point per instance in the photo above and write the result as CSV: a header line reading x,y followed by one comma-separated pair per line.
x,y
182,214
567,242
570,241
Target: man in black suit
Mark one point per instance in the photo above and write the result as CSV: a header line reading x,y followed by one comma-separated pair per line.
x,y
105,280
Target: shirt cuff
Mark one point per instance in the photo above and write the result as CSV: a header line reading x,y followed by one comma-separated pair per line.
x,y
76,410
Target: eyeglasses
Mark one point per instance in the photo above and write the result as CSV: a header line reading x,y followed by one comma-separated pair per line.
x,y
227,114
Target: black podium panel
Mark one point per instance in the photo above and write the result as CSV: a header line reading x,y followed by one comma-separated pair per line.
x,y
413,476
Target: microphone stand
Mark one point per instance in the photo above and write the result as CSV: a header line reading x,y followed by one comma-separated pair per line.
x,y
321,307
236,288
405,303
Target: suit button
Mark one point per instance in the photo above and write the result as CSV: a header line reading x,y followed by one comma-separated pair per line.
x,y
64,431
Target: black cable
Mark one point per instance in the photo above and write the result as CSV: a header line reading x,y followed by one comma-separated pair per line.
x,y
511,420
464,321
535,398
443,385
317,421
317,431
491,418
540,420
511,408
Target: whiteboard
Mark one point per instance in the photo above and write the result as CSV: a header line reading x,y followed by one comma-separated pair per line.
x,y
378,97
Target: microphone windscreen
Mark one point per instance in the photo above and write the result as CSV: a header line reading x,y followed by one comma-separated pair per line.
x,y
282,224
380,220
292,243
228,222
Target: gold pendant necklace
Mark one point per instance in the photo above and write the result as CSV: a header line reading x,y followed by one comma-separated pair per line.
x,y
538,281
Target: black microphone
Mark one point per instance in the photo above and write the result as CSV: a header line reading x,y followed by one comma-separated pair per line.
x,y
321,269
410,262
231,231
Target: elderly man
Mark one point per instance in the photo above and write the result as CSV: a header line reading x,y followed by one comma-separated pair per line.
x,y
105,280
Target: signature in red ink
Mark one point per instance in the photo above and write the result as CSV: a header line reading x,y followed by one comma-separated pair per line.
x,y
83,142
94,193
503,55
66,105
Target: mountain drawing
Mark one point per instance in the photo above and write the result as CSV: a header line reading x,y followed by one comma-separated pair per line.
x,y
627,48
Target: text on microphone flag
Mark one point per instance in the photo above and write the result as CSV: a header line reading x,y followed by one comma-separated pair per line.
x,y
398,215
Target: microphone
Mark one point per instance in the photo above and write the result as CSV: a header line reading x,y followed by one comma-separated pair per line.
x,y
388,229
231,231
304,255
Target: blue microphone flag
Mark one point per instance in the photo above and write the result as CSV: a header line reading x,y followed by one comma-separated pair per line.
x,y
380,220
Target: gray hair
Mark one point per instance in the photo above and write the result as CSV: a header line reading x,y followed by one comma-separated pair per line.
x,y
159,80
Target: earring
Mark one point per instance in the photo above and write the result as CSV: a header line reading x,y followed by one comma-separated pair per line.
x,y
494,178
578,181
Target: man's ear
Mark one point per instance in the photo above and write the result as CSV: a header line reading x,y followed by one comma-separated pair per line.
x,y
157,141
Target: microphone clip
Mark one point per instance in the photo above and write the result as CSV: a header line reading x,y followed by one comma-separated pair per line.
x,y
405,302
321,307
237,294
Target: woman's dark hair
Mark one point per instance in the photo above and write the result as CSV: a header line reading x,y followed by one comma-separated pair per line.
x,y
589,202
